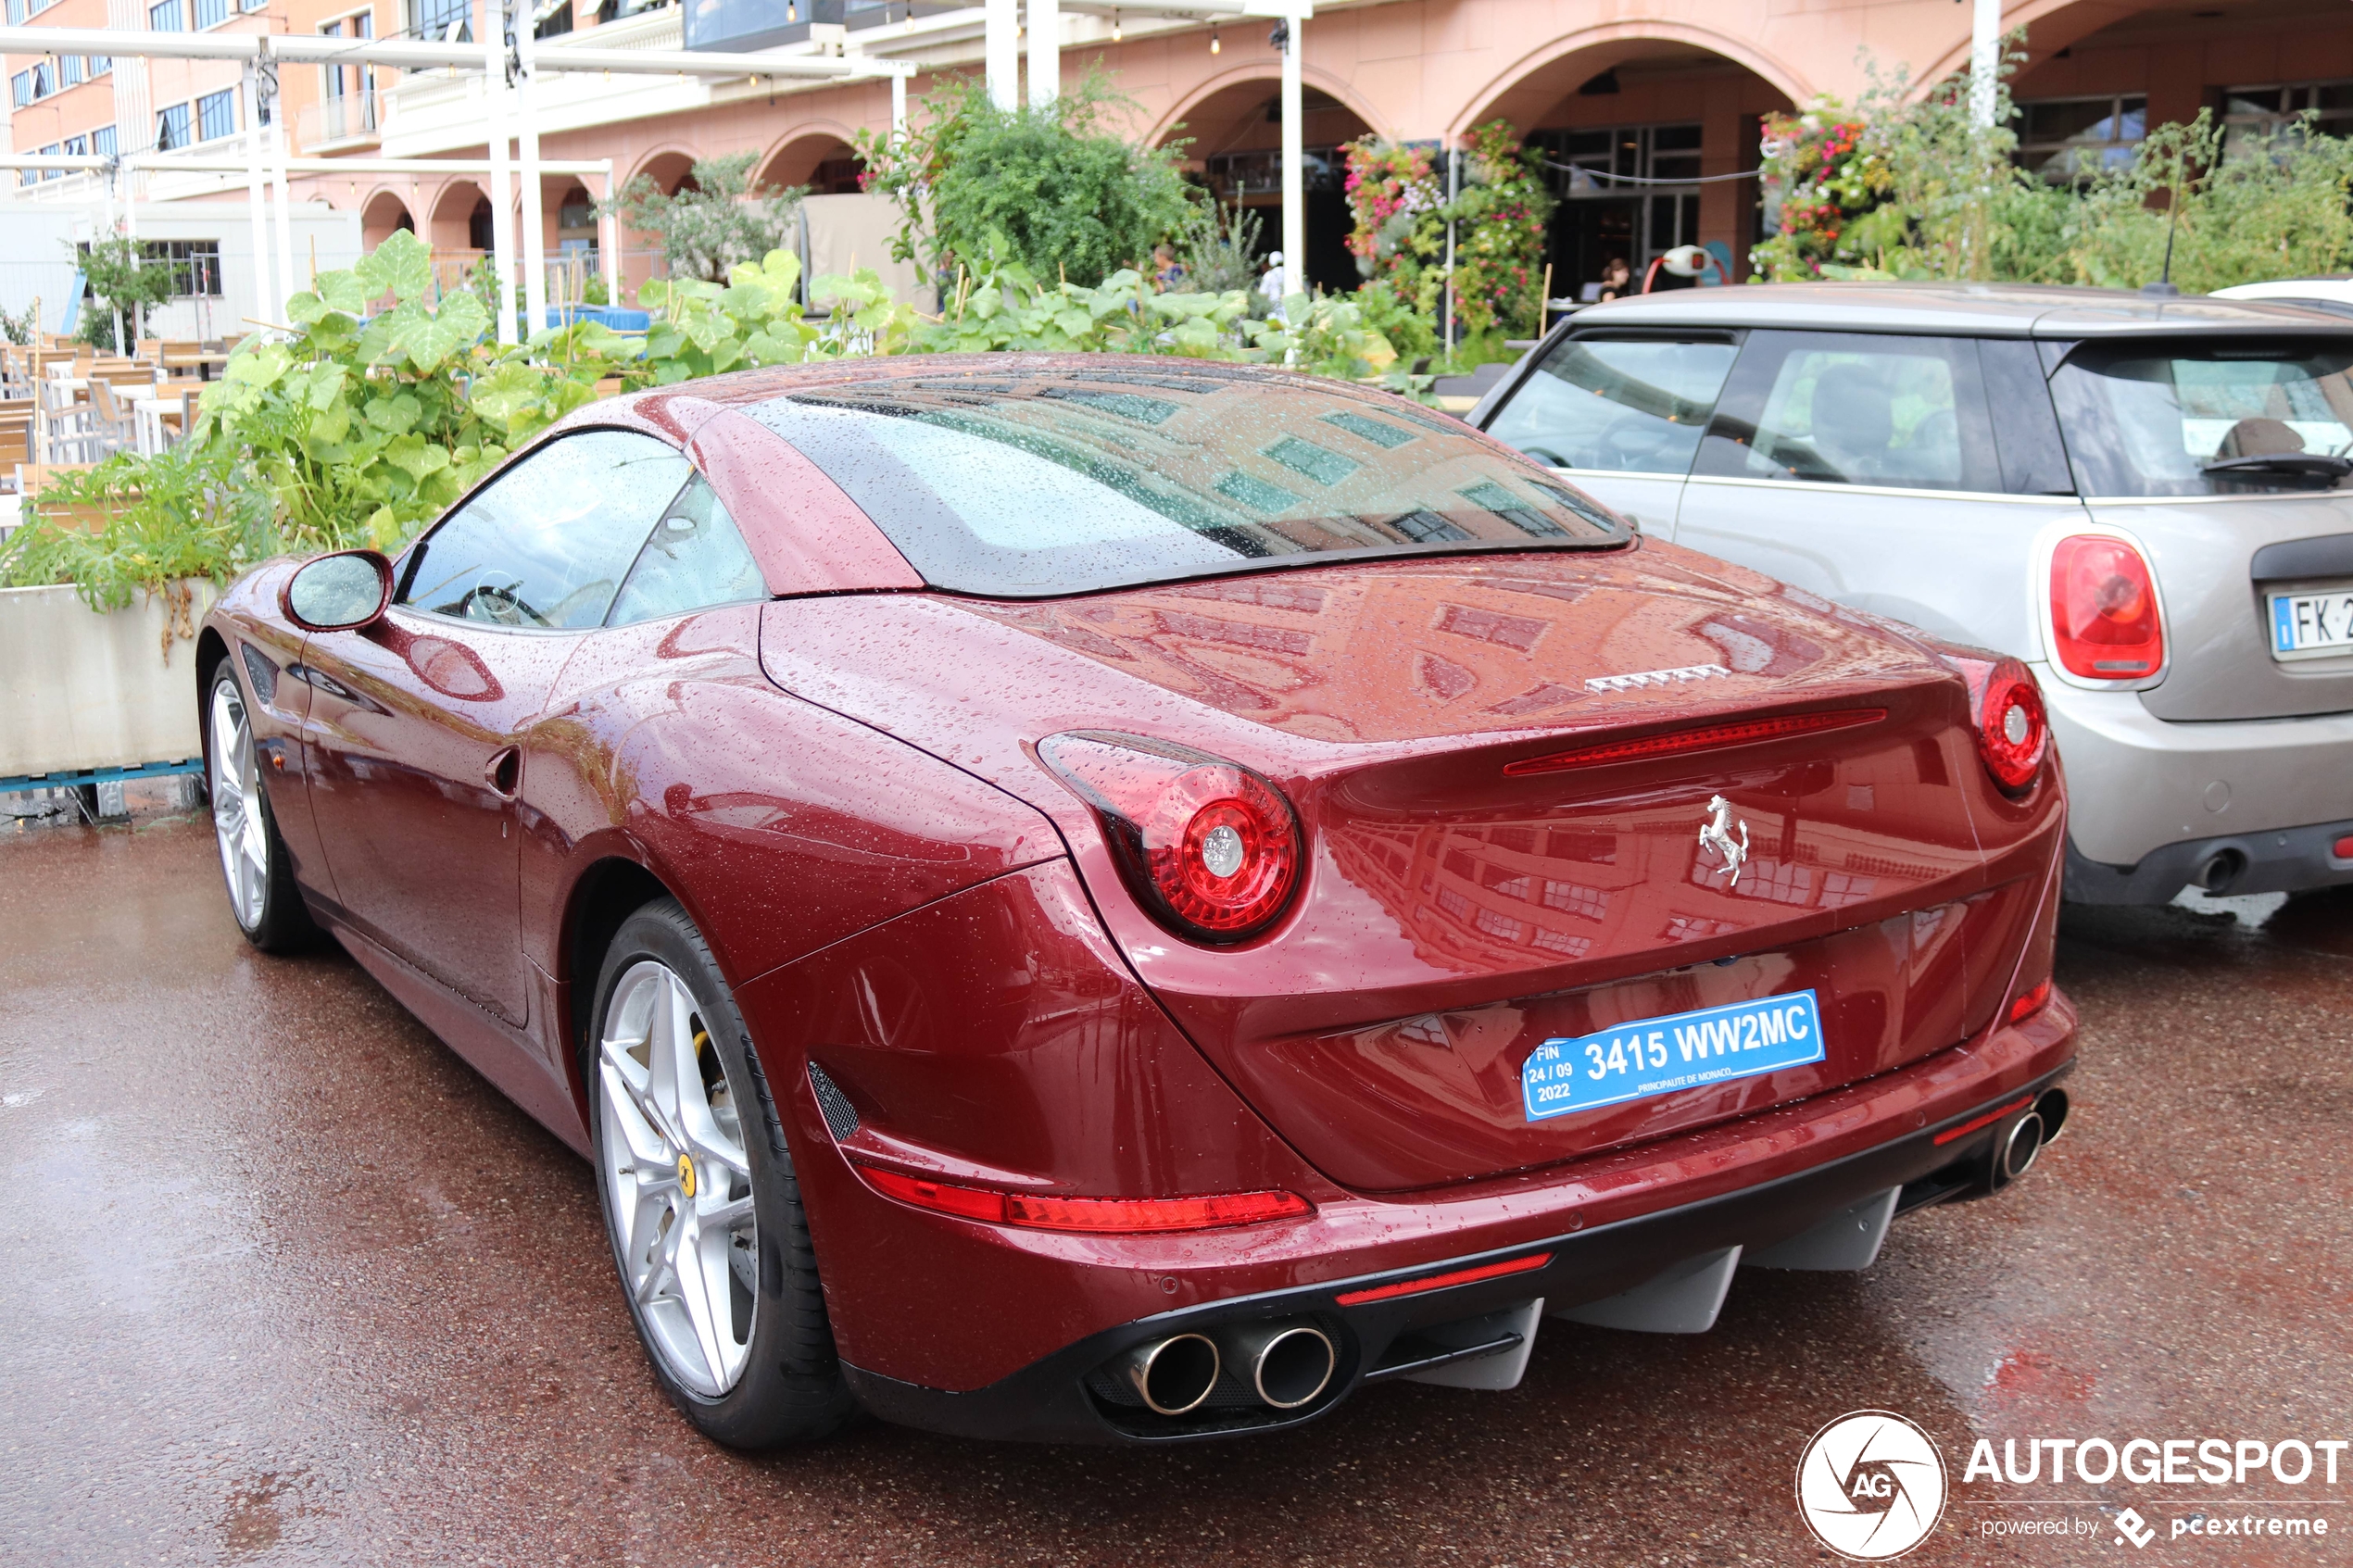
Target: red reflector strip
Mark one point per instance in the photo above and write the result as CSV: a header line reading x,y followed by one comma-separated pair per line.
x,y
1966,1128
2342,848
1440,1281
1100,1216
2031,1002
1744,731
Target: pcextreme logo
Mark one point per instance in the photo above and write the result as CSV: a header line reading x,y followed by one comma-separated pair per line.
x,y
1870,1485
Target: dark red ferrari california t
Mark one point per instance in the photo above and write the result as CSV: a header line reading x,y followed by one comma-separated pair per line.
x,y
1111,899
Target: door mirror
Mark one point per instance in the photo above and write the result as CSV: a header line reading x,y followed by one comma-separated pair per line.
x,y
339,593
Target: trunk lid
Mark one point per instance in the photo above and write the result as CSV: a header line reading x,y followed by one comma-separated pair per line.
x,y
2217,568
1453,917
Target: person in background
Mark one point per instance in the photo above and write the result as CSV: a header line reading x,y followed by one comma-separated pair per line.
x,y
1615,277
1167,271
1276,284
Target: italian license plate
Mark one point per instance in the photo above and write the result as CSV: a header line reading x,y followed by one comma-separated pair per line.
x,y
2312,624
1682,1050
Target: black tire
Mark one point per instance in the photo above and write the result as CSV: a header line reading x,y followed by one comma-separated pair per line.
x,y
281,924
792,1388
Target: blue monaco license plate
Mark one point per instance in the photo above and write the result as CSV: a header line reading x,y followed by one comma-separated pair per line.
x,y
1682,1050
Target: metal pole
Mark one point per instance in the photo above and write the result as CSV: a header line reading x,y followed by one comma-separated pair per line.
x,y
1985,61
1294,161
256,204
502,188
1000,51
1453,186
1045,53
535,218
284,274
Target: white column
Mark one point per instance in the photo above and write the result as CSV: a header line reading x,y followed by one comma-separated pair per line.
x,y
1045,51
535,218
1985,60
1294,161
502,183
256,203
1000,51
284,272
609,239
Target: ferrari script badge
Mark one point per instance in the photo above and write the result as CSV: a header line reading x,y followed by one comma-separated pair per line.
x,y
1717,834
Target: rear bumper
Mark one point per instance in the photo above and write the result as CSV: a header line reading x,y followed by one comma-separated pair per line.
x,y
2274,860
2140,785
1903,1130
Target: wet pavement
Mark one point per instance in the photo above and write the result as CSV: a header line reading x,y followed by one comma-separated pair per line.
x,y
282,1281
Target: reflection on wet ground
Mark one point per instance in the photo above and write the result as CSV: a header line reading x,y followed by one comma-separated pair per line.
x,y
285,1282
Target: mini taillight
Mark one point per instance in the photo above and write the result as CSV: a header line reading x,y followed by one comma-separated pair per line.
x,y
1099,1216
1211,848
2028,1003
2105,624
2006,710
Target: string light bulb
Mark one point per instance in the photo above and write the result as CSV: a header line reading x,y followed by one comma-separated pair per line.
x,y
792,10
1212,41
1115,24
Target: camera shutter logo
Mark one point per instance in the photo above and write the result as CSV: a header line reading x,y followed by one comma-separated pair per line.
x,y
1870,1485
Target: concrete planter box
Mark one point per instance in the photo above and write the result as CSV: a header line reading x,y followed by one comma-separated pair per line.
x,y
82,691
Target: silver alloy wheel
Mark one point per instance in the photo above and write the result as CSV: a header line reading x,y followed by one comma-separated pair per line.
x,y
238,820
677,1180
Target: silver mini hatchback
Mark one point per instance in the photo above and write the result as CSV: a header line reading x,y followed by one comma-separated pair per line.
x,y
2146,499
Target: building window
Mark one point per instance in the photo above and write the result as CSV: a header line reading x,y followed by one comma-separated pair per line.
x,y
2067,138
78,146
195,266
171,128
20,88
165,18
52,150
16,13
101,64
70,69
102,142
434,18
1601,220
211,13
2258,115
217,115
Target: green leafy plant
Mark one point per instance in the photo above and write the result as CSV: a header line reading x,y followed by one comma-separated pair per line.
x,y
1073,200
716,222
122,281
19,326
1397,200
1219,249
1004,306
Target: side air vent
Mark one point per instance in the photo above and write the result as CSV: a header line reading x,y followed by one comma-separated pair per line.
x,y
841,1117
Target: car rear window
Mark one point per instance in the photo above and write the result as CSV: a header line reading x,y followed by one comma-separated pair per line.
x,y
1026,485
2207,419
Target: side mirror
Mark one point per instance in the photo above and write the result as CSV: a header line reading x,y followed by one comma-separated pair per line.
x,y
339,593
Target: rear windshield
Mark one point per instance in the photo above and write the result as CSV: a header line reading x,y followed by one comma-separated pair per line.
x,y
1025,485
2207,419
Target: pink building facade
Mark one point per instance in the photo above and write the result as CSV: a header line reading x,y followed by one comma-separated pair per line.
x,y
1666,91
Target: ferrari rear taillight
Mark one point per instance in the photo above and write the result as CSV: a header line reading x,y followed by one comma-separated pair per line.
x,y
2006,710
1097,1216
2105,622
2029,1002
1211,848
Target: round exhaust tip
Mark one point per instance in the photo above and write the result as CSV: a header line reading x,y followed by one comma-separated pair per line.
x,y
2020,1149
1174,1375
2219,870
2052,1108
1293,1366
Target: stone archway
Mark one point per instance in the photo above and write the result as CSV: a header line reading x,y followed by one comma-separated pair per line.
x,y
384,214
1233,134
1657,106
823,160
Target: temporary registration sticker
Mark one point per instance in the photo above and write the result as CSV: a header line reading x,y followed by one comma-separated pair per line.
x,y
1682,1050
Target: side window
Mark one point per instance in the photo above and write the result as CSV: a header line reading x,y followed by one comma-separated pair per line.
x,y
1626,405
1856,408
696,560
548,542
2026,430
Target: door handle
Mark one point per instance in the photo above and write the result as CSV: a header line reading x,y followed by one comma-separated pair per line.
x,y
504,771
